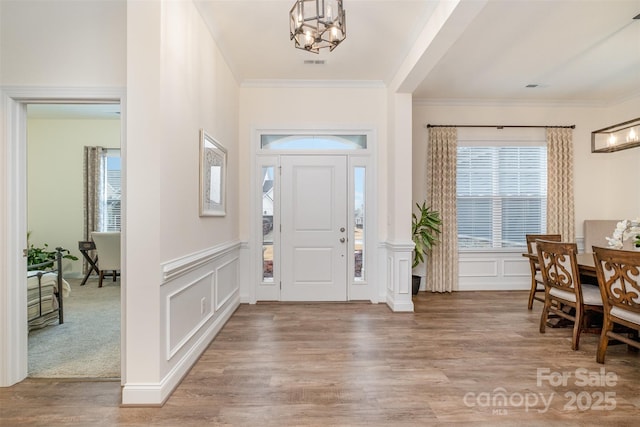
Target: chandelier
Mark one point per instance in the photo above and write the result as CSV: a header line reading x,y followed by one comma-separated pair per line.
x,y
617,137
317,24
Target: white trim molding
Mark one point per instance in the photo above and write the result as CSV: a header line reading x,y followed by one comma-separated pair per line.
x,y
398,277
175,268
13,211
274,83
199,293
156,394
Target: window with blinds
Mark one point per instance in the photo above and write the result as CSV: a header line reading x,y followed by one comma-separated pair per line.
x,y
501,195
111,193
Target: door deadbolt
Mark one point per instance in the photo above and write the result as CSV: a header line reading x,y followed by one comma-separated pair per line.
x,y
342,229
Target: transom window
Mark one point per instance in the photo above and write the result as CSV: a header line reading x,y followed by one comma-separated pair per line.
x,y
313,142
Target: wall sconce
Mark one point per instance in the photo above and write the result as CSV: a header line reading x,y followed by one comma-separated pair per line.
x,y
617,137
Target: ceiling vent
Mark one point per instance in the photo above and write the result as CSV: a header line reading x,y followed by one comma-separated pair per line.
x,y
314,61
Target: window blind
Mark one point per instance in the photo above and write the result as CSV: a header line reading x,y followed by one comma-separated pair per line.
x,y
111,196
501,195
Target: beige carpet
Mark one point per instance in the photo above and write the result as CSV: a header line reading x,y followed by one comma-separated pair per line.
x,y
87,344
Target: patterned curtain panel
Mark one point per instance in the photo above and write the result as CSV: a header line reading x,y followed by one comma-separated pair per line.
x,y
560,207
93,165
442,262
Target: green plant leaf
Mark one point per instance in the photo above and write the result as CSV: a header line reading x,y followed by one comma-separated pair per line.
x,y
39,255
425,229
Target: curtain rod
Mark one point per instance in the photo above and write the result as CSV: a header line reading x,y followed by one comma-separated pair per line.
x,y
498,126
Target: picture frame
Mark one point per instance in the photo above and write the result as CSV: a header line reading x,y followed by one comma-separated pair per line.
x,y
213,176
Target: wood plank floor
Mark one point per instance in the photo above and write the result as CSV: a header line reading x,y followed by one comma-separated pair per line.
x,y
463,358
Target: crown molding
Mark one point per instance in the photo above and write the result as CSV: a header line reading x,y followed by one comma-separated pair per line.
x,y
551,103
278,83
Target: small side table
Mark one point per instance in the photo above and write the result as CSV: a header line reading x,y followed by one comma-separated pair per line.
x,y
85,247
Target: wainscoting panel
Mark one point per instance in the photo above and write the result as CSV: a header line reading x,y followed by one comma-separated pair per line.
x,y
199,293
183,321
516,268
399,296
226,282
492,271
479,268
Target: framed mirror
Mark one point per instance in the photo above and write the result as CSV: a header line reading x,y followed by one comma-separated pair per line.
x,y
213,176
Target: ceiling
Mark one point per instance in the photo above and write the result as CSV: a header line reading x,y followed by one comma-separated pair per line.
x,y
574,51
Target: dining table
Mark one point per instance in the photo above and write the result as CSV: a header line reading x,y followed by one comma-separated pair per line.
x,y
586,264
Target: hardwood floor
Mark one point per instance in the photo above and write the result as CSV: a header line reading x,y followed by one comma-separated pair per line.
x,y
462,358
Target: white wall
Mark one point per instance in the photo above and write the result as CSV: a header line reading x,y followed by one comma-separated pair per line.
x,y
623,166
69,48
182,270
63,43
55,180
180,273
604,184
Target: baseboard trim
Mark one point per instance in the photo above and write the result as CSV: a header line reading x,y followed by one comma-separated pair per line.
x,y
156,394
399,307
472,287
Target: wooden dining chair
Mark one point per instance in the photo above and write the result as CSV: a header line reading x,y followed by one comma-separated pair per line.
x,y
537,284
562,287
618,274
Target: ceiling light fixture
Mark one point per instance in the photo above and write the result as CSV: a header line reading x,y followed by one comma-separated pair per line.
x,y
615,138
317,24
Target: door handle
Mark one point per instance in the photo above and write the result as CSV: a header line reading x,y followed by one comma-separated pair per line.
x,y
342,240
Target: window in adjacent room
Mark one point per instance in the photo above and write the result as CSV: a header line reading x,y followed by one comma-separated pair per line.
x,y
501,195
111,192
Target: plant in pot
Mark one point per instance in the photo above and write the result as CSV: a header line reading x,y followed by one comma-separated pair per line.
x,y
39,255
425,231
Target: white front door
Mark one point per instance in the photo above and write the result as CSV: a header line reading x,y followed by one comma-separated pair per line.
x,y
314,223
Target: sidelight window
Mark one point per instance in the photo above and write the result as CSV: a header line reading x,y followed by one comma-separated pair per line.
x,y
267,222
359,222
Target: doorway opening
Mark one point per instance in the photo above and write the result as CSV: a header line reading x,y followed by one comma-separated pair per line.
x,y
59,136
14,333
314,214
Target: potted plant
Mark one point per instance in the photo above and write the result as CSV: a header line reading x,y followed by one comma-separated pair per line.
x,y
39,255
425,231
